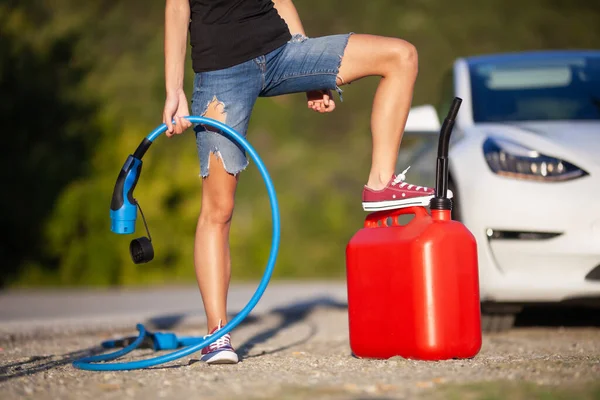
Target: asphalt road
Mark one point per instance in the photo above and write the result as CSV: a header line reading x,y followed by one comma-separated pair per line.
x,y
294,345
39,312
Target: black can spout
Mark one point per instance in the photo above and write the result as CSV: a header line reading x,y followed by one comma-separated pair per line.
x,y
447,127
440,201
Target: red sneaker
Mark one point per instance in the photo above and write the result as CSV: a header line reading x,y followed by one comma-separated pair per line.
x,y
397,194
219,351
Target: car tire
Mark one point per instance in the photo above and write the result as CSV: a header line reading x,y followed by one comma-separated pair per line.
x,y
497,322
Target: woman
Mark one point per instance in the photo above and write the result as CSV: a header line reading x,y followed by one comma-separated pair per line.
x,y
245,49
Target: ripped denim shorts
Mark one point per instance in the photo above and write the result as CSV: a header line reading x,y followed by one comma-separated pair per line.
x,y
302,64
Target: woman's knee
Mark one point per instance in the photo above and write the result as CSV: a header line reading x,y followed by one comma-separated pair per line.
x,y
403,54
217,210
218,192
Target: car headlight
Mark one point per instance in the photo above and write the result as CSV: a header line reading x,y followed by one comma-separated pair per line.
x,y
513,160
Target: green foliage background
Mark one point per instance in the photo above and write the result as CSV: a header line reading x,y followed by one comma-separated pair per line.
x,y
81,83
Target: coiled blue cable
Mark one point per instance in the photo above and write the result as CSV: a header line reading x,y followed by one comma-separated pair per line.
x,y
89,363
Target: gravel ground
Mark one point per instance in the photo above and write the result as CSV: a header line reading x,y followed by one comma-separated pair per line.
x,y
304,353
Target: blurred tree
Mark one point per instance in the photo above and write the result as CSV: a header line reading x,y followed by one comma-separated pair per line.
x,y
49,134
93,74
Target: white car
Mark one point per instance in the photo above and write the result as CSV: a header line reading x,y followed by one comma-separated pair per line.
x,y
525,173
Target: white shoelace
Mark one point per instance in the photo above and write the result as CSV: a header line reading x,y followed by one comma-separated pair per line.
x,y
223,341
400,178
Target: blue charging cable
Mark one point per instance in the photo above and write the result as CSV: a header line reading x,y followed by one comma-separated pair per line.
x,y
167,340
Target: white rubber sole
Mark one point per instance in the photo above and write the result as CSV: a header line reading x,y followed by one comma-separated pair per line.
x,y
220,357
404,203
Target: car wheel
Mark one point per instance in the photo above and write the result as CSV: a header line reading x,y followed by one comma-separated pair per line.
x,y
497,322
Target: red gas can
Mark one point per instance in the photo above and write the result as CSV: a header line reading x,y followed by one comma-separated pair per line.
x,y
413,290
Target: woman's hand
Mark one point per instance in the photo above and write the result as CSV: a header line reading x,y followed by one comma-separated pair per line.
x,y
176,107
320,101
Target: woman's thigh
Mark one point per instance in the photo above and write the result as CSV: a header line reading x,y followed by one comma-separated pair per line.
x,y
372,55
324,63
305,64
227,96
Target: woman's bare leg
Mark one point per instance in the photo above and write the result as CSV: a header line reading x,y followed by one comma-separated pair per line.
x,y
396,61
211,249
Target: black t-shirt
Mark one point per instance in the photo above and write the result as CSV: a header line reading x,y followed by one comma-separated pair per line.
x,y
224,33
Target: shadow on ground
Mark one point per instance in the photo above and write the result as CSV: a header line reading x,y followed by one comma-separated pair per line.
x,y
558,316
35,364
173,321
288,316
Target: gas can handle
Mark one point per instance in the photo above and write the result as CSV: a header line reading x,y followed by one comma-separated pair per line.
x,y
373,218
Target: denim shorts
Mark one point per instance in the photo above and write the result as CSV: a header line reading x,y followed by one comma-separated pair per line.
x,y
302,64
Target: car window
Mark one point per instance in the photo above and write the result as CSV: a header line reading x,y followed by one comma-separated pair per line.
x,y
544,90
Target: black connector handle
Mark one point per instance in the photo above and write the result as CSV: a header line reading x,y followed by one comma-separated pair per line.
x,y
440,201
